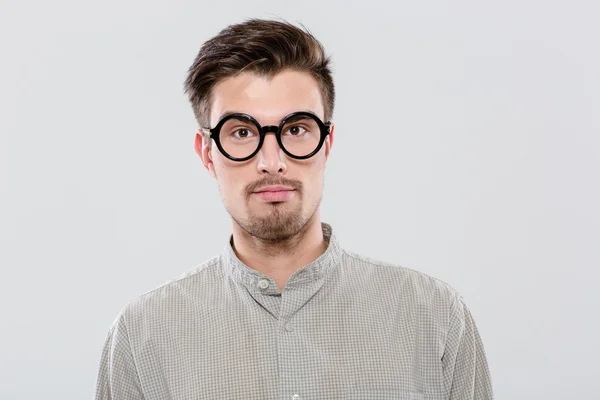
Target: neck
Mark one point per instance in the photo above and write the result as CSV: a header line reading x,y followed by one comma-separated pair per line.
x,y
280,260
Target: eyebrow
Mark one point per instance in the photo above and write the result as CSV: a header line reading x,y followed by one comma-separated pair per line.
x,y
228,113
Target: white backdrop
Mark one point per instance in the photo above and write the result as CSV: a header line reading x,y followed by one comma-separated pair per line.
x,y
467,138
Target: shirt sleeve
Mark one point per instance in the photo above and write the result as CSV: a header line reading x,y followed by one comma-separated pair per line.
x,y
466,371
117,376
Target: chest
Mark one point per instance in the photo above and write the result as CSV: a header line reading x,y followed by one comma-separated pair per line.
x,y
278,350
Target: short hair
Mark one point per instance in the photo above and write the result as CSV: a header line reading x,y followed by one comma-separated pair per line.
x,y
264,47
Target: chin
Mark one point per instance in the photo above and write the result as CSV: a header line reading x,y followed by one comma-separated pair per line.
x,y
274,224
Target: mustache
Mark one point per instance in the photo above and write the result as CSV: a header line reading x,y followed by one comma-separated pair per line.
x,y
269,181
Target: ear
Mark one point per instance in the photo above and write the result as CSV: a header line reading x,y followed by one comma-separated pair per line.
x,y
329,141
202,145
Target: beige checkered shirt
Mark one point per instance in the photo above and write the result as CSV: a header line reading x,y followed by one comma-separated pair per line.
x,y
345,327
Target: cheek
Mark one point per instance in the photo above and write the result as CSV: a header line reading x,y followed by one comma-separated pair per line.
x,y
223,171
232,182
314,183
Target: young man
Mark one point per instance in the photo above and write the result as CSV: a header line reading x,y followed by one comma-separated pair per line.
x,y
284,312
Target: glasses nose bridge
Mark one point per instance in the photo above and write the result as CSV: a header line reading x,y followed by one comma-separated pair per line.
x,y
266,129
270,159
269,128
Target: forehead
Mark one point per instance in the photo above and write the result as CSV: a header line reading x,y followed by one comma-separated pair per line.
x,y
266,99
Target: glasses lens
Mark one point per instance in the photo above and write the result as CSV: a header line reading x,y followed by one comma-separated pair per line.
x,y
239,137
301,135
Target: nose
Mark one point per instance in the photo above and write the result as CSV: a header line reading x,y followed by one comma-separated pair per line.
x,y
271,159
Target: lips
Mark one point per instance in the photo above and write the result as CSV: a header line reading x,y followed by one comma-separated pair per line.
x,y
275,193
274,189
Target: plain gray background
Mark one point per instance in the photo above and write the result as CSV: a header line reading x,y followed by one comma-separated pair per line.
x,y
467,147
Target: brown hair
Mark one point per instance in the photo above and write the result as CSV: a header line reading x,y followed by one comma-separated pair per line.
x,y
264,47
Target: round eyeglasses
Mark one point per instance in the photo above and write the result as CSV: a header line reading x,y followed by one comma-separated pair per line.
x,y
239,136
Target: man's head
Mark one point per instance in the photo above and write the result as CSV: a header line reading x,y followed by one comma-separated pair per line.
x,y
266,70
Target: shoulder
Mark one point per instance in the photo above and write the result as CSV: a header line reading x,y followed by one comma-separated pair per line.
x,y
400,283
171,297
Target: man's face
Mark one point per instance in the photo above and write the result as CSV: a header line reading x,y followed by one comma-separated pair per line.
x,y
268,101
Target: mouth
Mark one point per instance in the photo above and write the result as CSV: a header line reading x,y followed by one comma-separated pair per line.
x,y
275,194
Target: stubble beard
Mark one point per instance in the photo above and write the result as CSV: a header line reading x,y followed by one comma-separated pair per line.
x,y
276,224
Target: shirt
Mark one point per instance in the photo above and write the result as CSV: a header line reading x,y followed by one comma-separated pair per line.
x,y
345,327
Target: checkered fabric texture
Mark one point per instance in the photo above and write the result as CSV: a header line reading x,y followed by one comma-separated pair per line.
x,y
345,327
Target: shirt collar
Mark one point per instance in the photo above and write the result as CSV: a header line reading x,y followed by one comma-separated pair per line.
x,y
311,272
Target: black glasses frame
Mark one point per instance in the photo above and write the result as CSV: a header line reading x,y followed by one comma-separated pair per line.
x,y
325,128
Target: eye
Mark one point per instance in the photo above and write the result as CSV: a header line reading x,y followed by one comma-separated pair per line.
x,y
242,133
295,130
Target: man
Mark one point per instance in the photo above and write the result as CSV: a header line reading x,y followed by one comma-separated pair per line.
x,y
284,312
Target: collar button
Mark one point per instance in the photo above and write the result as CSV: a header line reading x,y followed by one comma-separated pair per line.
x,y
263,284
